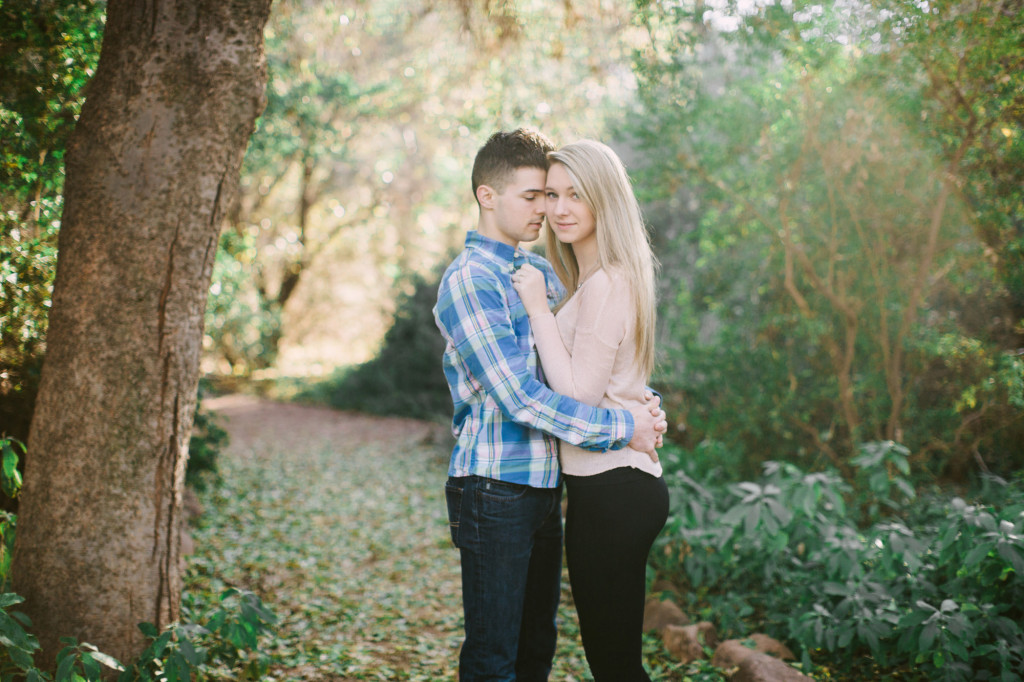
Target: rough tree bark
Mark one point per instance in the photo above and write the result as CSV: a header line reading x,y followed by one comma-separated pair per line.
x,y
150,168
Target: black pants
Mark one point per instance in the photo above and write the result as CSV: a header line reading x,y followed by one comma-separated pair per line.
x,y
610,525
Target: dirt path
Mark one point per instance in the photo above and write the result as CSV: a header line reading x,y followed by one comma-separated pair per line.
x,y
259,424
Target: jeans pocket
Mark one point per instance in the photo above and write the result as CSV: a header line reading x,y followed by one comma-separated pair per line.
x,y
501,491
453,495
501,504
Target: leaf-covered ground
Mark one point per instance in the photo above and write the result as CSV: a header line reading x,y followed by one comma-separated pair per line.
x,y
337,521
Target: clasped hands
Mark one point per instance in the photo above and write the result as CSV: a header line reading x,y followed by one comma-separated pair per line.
x,y
649,426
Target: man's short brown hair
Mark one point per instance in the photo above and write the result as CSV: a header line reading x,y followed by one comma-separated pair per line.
x,y
505,152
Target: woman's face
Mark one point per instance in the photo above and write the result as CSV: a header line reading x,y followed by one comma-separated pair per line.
x,y
568,216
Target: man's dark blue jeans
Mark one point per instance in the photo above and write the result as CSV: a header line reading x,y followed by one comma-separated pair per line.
x,y
510,540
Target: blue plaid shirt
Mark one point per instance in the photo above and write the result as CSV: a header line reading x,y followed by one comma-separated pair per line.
x,y
505,416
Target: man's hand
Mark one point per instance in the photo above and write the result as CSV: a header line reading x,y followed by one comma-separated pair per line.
x,y
649,425
529,283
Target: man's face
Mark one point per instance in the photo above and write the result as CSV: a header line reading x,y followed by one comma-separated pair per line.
x,y
519,210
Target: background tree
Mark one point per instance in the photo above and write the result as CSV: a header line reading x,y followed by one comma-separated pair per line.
x,y
825,155
150,170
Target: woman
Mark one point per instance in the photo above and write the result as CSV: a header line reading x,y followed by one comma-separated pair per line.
x,y
599,349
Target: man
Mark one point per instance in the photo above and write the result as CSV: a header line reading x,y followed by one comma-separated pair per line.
x,y
504,487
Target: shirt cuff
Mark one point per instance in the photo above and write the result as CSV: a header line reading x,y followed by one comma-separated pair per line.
x,y
629,427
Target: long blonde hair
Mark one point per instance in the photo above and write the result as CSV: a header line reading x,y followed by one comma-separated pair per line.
x,y
600,180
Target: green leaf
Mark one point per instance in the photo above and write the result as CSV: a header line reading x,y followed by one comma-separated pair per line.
x,y
257,605
14,633
8,599
906,488
21,658
868,635
977,554
64,669
149,630
845,637
734,515
912,620
928,635
107,660
779,541
189,652
171,671
228,593
836,589
1010,554
958,651
752,519
161,643
217,621
254,617
180,666
90,666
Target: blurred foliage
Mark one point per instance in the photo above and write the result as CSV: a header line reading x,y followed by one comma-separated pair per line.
x,y
205,444
865,581
405,378
358,173
241,328
12,451
48,51
836,194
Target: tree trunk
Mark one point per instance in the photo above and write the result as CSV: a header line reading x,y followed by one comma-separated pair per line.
x,y
150,170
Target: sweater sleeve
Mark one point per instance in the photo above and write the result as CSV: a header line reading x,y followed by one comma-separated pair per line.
x,y
601,324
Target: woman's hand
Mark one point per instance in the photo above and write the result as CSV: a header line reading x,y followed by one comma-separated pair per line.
x,y
529,283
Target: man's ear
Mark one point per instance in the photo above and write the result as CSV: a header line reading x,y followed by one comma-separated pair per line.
x,y
485,195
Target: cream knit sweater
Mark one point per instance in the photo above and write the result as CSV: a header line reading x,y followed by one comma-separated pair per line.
x,y
587,353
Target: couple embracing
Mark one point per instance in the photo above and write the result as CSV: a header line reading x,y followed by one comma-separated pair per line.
x,y
548,366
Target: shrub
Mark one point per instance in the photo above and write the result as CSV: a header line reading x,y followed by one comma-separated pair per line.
x,y
227,646
934,585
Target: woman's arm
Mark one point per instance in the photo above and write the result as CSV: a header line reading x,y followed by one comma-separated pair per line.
x,y
472,313
600,327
